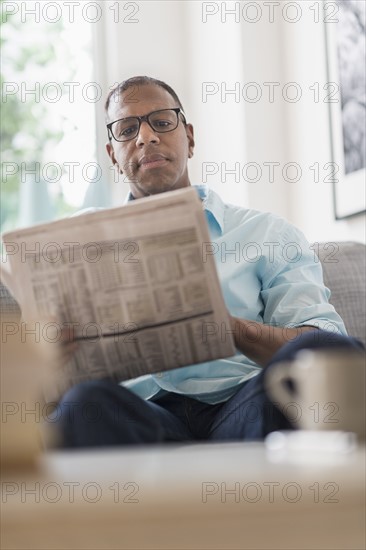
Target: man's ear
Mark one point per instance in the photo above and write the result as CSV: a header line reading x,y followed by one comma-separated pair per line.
x,y
190,137
110,152
111,155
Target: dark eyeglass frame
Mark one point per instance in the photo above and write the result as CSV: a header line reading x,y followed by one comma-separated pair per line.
x,y
146,118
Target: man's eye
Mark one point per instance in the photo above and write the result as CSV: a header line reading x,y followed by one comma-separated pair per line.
x,y
127,131
162,123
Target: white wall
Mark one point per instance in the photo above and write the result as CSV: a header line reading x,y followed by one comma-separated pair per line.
x,y
153,46
174,43
293,132
214,53
308,135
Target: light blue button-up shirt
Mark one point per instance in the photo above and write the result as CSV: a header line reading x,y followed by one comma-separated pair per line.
x,y
268,274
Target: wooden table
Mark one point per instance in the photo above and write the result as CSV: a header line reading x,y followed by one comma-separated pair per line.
x,y
233,495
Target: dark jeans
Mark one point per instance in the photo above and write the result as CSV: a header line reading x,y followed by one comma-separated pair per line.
x,y
103,413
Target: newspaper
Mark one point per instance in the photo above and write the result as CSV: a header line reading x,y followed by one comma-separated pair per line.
x,y
131,282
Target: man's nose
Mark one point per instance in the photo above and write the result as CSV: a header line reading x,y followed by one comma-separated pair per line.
x,y
146,134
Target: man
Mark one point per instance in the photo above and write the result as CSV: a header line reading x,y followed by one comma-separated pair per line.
x,y
278,305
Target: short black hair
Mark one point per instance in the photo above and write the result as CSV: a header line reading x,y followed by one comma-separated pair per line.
x,y
140,81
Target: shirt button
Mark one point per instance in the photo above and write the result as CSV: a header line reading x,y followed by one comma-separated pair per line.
x,y
159,375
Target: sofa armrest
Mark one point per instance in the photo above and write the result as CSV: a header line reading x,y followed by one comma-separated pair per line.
x,y
8,305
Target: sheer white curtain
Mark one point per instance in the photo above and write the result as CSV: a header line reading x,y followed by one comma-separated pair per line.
x,y
50,157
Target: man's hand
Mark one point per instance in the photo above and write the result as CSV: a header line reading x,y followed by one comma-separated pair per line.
x,y
260,342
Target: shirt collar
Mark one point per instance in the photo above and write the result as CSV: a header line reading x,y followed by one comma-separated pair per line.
x,y
212,203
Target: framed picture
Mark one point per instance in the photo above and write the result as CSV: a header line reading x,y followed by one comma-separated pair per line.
x,y
346,58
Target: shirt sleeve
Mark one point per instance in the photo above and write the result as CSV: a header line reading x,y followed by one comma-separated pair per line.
x,y
293,291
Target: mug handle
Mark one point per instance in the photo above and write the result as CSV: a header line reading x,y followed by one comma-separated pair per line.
x,y
274,383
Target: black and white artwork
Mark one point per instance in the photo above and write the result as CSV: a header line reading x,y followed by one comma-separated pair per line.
x,y
346,44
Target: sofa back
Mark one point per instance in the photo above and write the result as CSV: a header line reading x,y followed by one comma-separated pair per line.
x,y
344,269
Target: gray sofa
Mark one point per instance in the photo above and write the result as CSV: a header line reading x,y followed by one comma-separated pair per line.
x,y
344,268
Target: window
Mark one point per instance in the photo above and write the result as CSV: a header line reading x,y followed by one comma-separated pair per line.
x,y
49,163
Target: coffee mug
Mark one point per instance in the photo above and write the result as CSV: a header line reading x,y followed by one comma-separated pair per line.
x,y
327,390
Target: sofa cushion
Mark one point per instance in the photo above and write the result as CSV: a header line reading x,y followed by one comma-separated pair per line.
x,y
344,265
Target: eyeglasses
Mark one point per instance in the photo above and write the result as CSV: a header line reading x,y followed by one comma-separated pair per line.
x,y
162,121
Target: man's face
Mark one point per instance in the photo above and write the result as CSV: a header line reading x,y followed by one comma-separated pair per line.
x,y
152,162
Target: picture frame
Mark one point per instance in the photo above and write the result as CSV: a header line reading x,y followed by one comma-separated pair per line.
x,y
345,51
